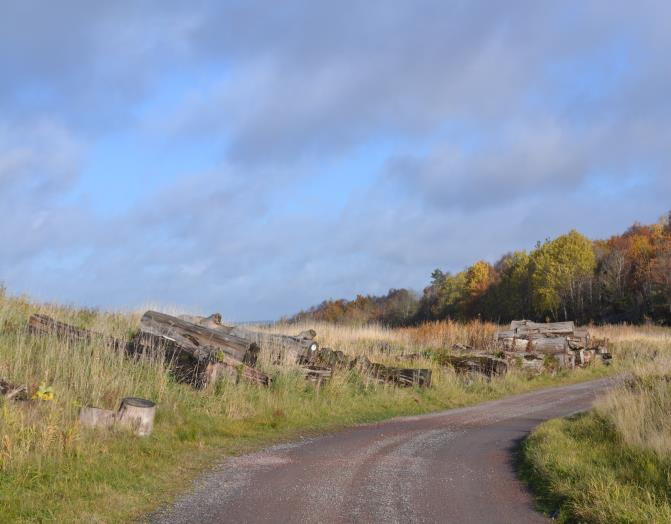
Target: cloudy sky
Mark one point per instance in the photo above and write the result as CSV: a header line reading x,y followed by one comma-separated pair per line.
x,y
254,158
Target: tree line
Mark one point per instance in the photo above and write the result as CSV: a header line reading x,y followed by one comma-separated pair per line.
x,y
626,278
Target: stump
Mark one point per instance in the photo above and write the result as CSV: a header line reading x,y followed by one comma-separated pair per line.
x,y
138,415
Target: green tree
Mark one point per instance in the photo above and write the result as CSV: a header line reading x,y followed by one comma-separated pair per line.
x,y
512,296
562,270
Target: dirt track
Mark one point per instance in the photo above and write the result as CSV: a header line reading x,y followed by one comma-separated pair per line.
x,y
454,466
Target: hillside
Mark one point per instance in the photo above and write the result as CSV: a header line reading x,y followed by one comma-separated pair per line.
x,y
626,278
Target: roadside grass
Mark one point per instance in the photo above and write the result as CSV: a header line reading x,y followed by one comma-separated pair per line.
x,y
52,470
612,464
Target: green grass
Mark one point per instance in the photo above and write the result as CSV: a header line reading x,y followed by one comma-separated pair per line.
x,y
612,464
53,470
581,467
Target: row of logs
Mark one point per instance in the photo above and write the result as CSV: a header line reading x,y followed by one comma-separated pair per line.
x,y
200,350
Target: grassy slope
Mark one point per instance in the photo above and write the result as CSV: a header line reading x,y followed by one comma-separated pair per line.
x,y
52,470
614,463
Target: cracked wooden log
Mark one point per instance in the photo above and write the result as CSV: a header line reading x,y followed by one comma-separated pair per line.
x,y
405,377
12,391
523,327
486,365
549,346
282,348
205,342
193,364
45,325
189,362
317,375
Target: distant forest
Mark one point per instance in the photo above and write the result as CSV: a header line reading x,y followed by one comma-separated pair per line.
x,y
626,278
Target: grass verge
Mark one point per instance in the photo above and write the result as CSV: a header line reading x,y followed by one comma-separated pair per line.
x,y
613,464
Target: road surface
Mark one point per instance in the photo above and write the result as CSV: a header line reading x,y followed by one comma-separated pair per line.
x,y
453,466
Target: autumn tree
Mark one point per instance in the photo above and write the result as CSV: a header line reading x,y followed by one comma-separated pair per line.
x,y
562,270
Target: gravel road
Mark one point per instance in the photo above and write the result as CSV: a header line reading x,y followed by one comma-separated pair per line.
x,y
453,466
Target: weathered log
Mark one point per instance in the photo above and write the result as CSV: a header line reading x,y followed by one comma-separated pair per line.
x,y
522,327
206,342
317,375
514,344
189,362
507,333
486,365
183,360
528,362
137,414
282,348
45,325
565,360
12,391
328,357
406,377
548,345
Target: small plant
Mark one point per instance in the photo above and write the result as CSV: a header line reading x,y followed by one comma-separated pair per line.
x,y
44,392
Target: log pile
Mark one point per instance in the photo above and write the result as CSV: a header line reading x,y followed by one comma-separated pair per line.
x,y
565,343
283,349
201,350
481,364
195,354
403,377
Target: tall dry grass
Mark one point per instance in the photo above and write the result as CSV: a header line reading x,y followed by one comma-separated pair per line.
x,y
639,408
613,464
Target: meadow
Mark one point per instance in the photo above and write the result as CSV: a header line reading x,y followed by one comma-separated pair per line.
x,y
51,469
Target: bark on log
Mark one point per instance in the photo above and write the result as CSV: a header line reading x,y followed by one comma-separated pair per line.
x,y
317,375
529,362
45,325
282,348
523,327
551,346
405,377
188,362
486,365
207,343
202,373
12,391
514,344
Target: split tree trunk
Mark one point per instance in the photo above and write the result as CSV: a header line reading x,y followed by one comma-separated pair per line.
x,y
207,342
282,348
190,363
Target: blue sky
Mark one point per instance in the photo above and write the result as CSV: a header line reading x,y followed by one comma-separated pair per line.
x,y
254,158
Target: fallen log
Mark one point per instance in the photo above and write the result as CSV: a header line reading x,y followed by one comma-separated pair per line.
x,y
206,342
486,365
328,357
13,391
188,362
522,327
548,345
514,344
282,348
45,325
316,374
405,377
528,362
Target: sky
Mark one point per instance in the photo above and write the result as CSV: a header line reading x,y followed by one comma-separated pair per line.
x,y
255,158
